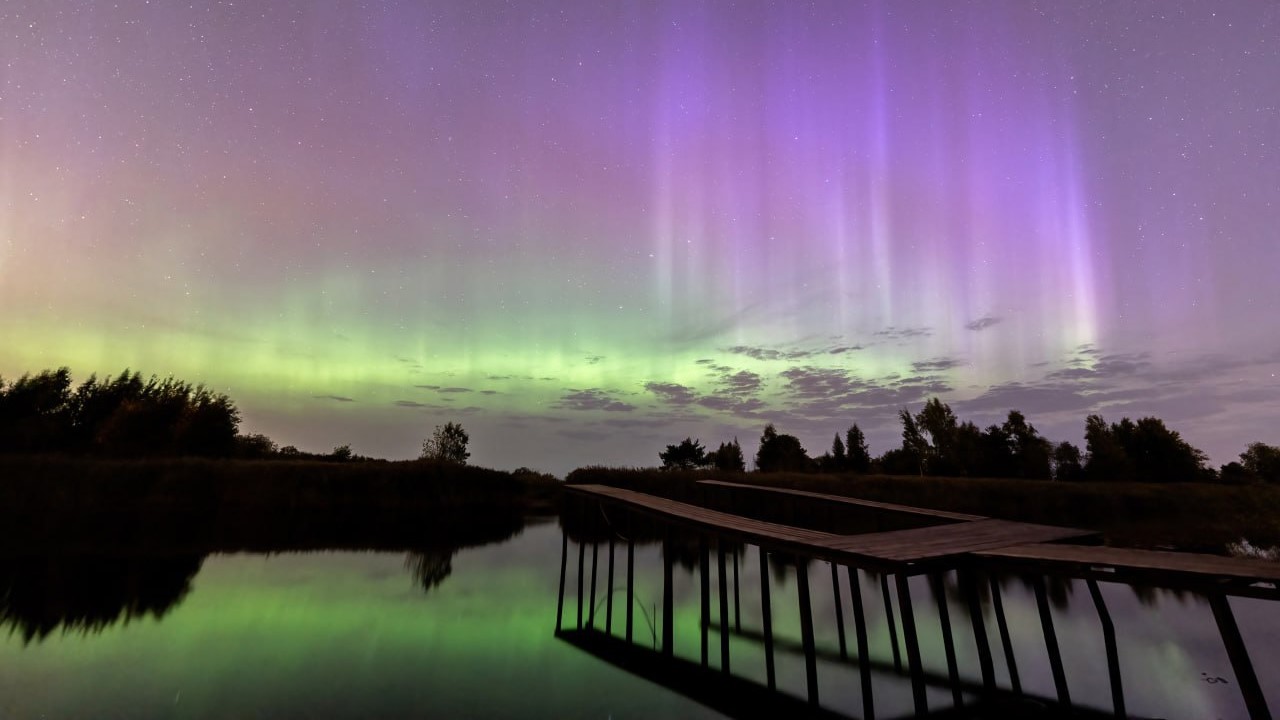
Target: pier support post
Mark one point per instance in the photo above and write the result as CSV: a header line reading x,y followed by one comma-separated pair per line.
x,y
723,582
631,576
913,645
893,625
1239,656
806,630
564,560
1113,651
969,582
1006,642
595,558
668,602
835,587
608,601
948,639
766,617
704,583
1051,643
582,554
864,659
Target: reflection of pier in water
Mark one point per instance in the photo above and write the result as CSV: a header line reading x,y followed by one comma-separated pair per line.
x,y
714,680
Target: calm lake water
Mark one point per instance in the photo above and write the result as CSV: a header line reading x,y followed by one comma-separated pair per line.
x,y
473,634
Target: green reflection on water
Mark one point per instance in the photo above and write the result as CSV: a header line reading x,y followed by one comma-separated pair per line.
x,y
335,635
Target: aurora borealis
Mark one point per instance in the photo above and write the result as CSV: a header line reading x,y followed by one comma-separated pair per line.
x,y
585,230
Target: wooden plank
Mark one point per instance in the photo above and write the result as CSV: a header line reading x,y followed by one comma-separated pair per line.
x,y
713,519
846,500
950,540
1131,559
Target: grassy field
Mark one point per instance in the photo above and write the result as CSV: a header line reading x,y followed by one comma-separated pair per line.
x,y
1191,516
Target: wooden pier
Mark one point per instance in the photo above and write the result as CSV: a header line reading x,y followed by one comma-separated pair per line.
x,y
965,545
897,551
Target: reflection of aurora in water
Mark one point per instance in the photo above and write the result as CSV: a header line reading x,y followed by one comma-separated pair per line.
x,y
350,634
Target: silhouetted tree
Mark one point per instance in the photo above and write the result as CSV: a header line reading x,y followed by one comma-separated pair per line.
x,y
255,447
1105,458
1263,461
939,424
34,411
689,454
728,457
857,453
1030,451
1233,473
914,444
1145,451
780,453
447,444
122,416
839,461
342,453
1066,462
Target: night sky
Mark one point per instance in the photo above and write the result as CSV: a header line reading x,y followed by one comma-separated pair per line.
x,y
588,229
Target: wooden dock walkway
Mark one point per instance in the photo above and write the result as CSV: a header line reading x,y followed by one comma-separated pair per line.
x,y
846,500
896,551
1132,564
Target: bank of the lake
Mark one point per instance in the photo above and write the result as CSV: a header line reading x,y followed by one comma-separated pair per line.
x,y
195,503
1188,516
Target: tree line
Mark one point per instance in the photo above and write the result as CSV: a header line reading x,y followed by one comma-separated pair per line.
x,y
936,443
115,416
127,416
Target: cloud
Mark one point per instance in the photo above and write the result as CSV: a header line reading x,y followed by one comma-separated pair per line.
x,y
672,393
814,382
335,398
409,404
763,353
936,365
741,382
592,399
1106,367
593,359
896,333
428,387
455,390
983,323
731,404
